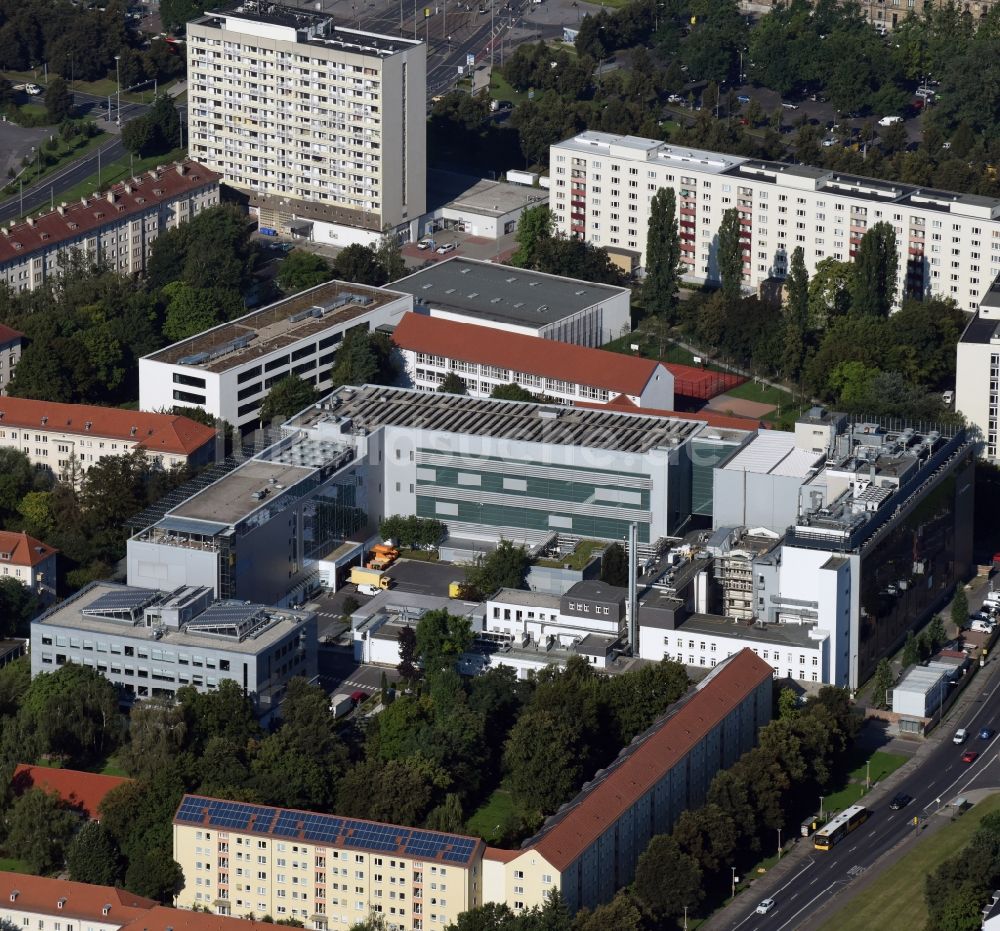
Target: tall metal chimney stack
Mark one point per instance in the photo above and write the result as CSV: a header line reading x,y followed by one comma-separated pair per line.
x,y
633,588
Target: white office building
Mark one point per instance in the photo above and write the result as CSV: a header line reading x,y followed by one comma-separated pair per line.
x,y
977,371
322,125
229,369
948,243
149,643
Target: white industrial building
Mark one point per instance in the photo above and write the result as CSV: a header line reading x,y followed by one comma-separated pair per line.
x,y
228,370
322,125
520,301
484,359
948,243
977,371
923,690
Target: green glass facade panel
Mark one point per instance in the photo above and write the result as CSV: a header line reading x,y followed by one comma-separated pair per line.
x,y
705,458
545,488
529,519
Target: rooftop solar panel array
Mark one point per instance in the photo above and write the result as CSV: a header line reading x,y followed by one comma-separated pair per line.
x,y
326,829
123,600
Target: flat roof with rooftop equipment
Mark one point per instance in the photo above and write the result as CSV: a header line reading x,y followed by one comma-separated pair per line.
x,y
502,293
273,327
374,406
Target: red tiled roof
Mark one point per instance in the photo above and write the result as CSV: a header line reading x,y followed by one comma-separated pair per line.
x,y
723,421
164,918
9,334
23,550
81,901
85,791
91,213
501,856
159,433
639,770
470,342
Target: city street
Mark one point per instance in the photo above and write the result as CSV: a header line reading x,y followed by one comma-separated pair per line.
x,y
934,777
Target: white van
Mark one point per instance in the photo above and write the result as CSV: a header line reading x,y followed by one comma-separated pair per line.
x,y
889,120
960,735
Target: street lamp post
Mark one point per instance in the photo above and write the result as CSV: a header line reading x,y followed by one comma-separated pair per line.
x,y
821,808
118,81
733,895
868,775
779,843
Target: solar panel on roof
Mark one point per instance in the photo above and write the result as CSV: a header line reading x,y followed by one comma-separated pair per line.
x,y
126,599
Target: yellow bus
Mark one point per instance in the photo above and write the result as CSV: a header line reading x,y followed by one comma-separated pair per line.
x,y
837,828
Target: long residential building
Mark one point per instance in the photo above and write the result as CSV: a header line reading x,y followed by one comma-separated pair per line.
x,y
68,439
977,372
485,358
149,642
330,871
117,228
948,243
44,904
228,370
322,125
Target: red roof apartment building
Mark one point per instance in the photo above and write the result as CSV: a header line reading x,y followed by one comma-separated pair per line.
x,y
69,438
117,227
591,847
485,357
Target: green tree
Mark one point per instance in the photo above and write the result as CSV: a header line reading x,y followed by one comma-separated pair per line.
x,y
535,225
730,255
300,270
936,632
911,652
158,733
153,875
17,476
58,101
543,760
667,879
93,856
708,835
138,137
512,392
407,667
441,638
395,791
360,264
622,913
504,567
788,704
882,683
663,256
960,607
452,384
189,311
614,565
873,284
389,257
796,316
364,358
39,829
74,711
286,398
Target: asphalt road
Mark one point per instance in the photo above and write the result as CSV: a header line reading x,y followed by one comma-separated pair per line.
x,y
804,899
46,192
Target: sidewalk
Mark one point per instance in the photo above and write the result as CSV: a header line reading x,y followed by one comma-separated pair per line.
x,y
793,861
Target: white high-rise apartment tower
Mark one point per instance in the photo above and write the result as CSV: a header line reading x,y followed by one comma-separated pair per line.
x,y
324,127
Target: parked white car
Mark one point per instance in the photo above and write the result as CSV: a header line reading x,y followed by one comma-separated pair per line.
x,y
889,120
32,90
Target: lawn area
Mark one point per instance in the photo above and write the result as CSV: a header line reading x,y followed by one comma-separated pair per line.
x,y
119,170
649,349
901,886
500,89
496,811
111,767
751,391
419,555
13,865
579,558
882,765
102,87
670,126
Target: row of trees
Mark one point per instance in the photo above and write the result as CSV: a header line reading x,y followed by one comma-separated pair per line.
x,y
958,889
834,335
538,248
412,532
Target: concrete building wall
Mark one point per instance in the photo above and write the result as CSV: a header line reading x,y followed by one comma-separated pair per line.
x,y
167,568
260,871
977,389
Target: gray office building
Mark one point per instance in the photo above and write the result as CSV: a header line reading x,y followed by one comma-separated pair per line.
x,y
150,643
